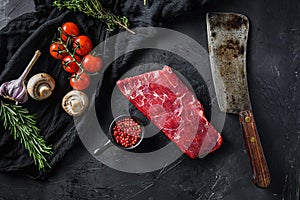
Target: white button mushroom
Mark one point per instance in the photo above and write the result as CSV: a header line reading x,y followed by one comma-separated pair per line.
x,y
75,102
40,86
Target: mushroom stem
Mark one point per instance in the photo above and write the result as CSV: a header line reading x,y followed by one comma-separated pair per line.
x,y
44,90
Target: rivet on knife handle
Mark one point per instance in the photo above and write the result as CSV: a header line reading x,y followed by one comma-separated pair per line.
x,y
261,175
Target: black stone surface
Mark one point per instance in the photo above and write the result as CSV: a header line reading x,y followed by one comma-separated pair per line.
x,y
273,77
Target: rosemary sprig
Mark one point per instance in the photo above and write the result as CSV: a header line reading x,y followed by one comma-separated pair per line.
x,y
95,9
22,126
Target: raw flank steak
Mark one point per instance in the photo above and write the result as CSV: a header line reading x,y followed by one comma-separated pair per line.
x,y
165,100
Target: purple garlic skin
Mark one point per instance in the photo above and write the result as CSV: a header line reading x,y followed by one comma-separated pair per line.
x,y
14,90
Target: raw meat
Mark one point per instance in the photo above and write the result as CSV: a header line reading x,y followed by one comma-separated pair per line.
x,y
163,98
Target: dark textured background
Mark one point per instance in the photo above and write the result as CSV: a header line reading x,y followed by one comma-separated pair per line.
x,y
273,65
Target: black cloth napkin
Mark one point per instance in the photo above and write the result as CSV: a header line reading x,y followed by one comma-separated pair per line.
x,y
29,32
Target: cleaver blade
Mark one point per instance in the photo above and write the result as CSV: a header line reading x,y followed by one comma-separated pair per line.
x,y
227,44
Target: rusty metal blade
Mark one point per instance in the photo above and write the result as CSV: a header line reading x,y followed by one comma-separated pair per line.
x,y
227,44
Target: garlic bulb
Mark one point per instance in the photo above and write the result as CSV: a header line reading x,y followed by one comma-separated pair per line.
x,y
75,102
40,86
15,89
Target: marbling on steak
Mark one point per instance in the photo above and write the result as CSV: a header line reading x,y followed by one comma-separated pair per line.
x,y
164,99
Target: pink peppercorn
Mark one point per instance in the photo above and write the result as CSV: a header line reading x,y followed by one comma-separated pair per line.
x,y
126,132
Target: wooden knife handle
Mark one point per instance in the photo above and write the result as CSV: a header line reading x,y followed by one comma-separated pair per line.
x,y
261,175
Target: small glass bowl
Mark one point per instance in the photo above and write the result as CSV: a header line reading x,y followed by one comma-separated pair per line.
x,y
111,139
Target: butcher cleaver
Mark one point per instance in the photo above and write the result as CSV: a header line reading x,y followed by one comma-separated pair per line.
x,y
227,43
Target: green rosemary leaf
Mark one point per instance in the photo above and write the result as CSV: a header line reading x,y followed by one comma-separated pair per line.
x,y
95,9
22,126
10,110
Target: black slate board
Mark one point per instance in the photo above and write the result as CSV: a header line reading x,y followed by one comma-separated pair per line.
x,y
273,68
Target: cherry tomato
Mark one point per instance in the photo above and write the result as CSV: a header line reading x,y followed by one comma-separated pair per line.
x,y
92,63
57,51
69,63
69,29
84,44
81,82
